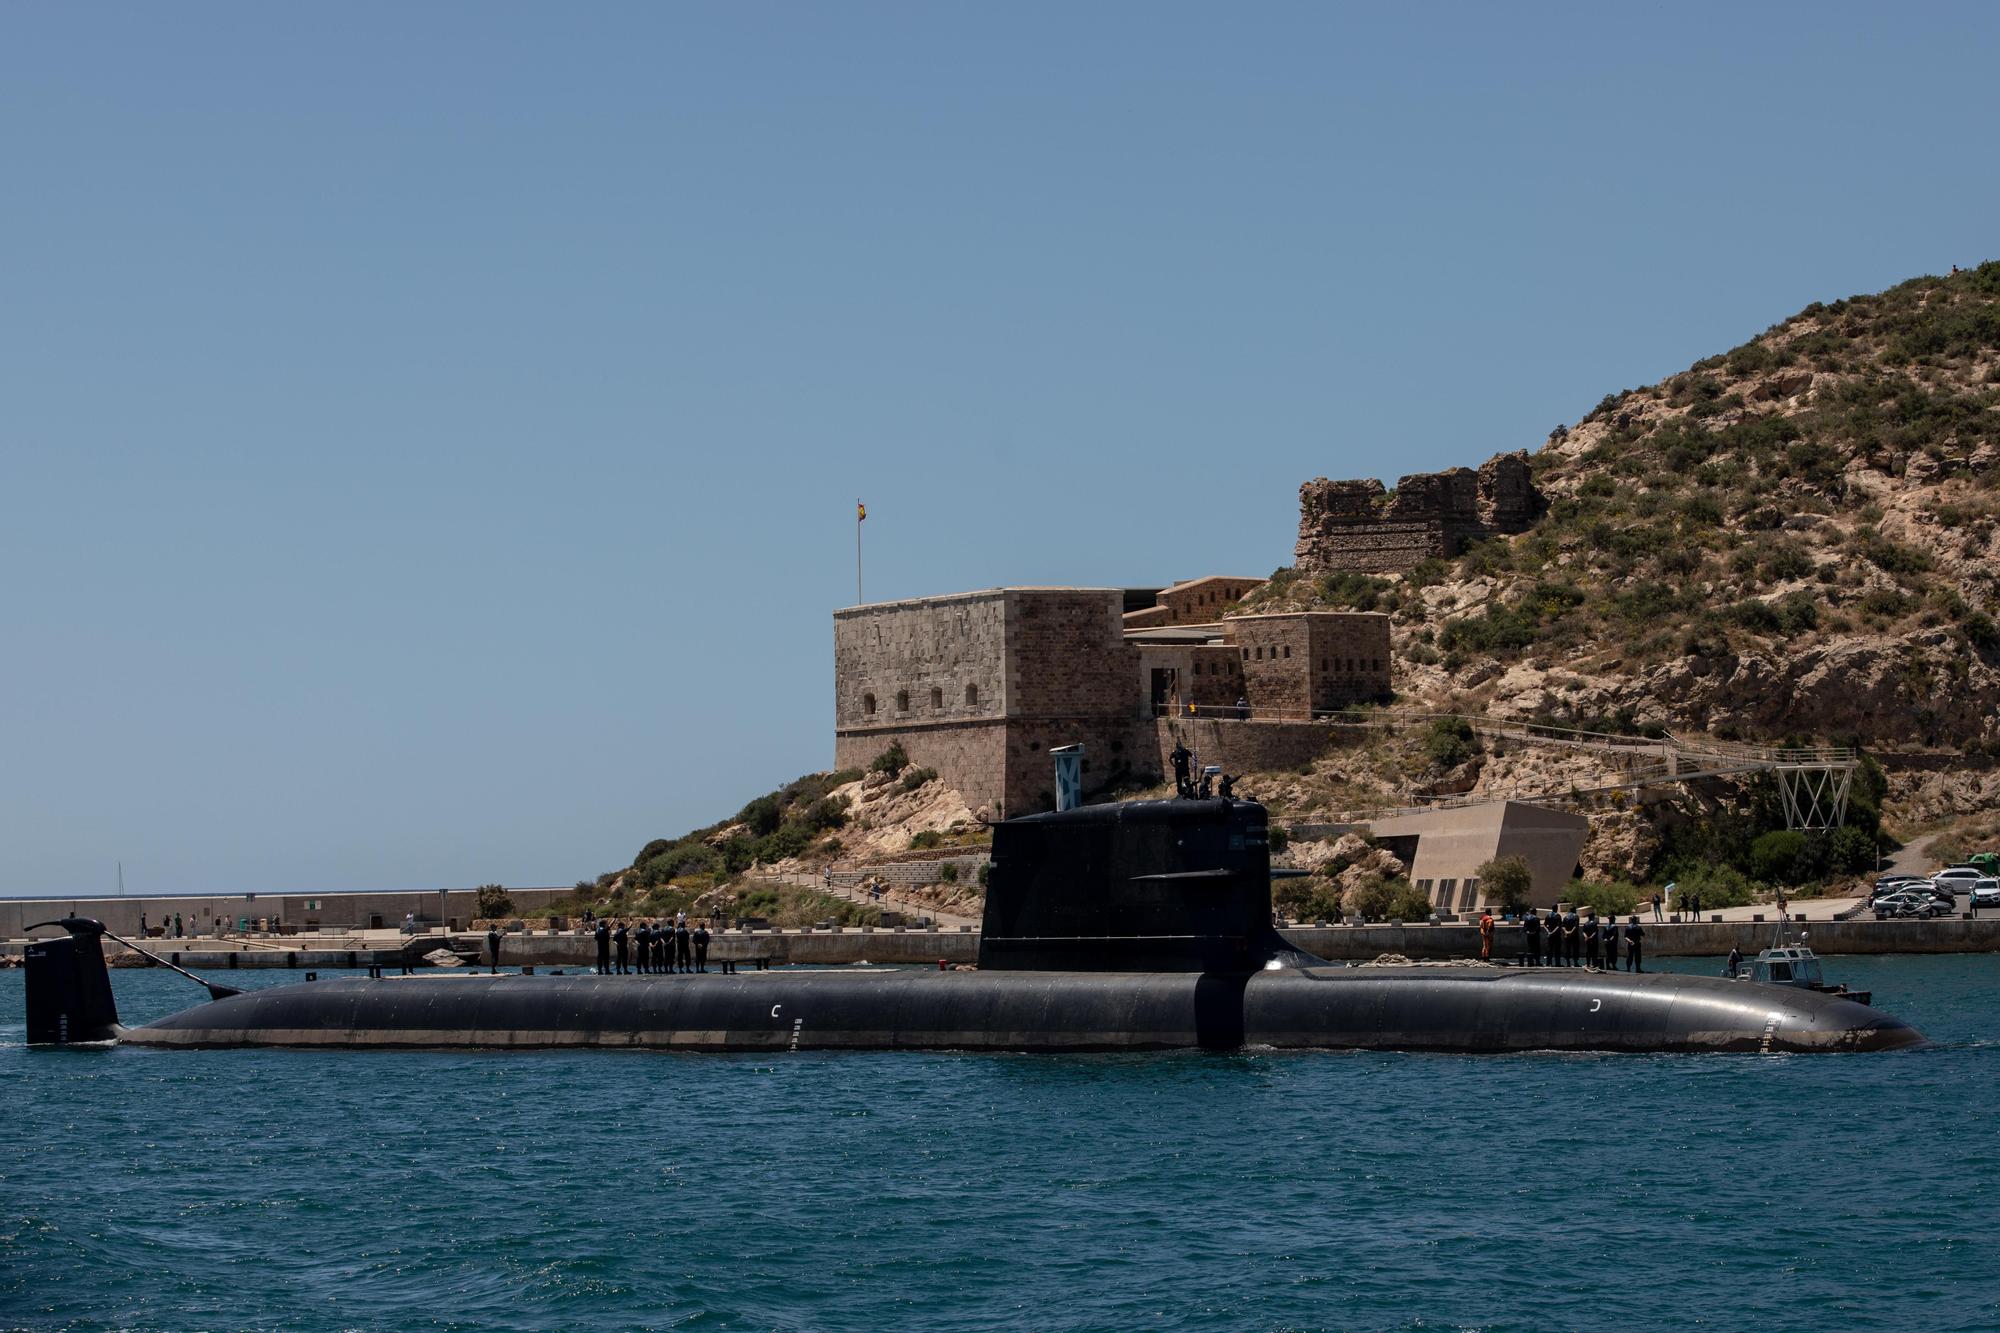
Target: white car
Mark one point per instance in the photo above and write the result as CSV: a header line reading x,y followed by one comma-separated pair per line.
x,y
1957,879
1985,893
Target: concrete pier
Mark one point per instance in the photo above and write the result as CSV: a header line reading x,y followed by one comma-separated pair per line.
x,y
926,947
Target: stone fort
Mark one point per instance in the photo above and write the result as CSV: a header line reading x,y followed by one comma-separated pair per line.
x,y
1359,527
980,685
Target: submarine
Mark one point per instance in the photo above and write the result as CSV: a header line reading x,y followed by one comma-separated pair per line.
x,y
1142,925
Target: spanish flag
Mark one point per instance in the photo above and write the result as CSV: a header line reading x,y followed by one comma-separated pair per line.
x,y
860,511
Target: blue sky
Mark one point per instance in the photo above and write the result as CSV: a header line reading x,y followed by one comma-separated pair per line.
x,y
429,434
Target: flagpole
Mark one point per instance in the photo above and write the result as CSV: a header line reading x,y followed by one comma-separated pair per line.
x,y
858,511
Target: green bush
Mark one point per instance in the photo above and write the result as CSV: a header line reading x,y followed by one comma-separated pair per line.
x,y
1618,898
926,839
1449,742
494,901
916,778
1980,631
949,872
891,761
1311,898
762,815
1407,901
828,812
1508,881
1779,857
1718,886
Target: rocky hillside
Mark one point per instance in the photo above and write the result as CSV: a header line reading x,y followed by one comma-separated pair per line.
x,y
1796,538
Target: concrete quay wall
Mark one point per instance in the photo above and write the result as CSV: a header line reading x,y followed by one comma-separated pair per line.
x,y
1335,943
1663,940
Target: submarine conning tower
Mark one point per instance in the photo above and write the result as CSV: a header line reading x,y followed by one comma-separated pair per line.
x,y
1139,886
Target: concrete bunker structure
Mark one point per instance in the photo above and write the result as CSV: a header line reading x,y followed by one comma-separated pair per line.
x,y
1444,849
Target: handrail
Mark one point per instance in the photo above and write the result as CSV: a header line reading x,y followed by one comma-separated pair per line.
x,y
1670,744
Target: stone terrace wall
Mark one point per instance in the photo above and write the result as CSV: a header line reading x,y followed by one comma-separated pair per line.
x,y
1244,747
1358,526
970,757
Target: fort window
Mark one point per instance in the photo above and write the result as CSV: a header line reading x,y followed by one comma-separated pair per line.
x,y
902,701
972,694
1246,654
1378,665
868,705
937,697
1288,650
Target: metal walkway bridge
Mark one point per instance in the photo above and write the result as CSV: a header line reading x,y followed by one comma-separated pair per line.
x,y
1813,782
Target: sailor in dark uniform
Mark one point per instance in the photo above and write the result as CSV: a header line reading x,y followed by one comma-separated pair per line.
x,y
622,940
1610,933
642,948
683,948
1531,938
700,947
662,947
1593,952
603,937
1634,950
1182,757
1573,937
1735,963
493,947
1552,939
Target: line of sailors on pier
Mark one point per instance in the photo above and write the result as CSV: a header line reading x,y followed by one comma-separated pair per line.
x,y
1567,940
649,948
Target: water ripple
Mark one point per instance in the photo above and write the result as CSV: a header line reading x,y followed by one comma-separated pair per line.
x,y
315,1191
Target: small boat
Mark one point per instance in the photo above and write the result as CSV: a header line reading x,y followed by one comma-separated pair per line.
x,y
1796,965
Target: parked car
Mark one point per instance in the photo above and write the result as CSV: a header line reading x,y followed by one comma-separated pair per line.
x,y
1957,877
1921,888
1911,903
1985,893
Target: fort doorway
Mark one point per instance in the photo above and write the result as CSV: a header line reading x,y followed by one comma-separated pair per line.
x,y
1163,688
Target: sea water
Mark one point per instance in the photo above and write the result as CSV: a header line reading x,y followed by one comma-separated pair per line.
x,y
314,1190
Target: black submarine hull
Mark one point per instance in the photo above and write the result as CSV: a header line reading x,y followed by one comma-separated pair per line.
x,y
1450,1009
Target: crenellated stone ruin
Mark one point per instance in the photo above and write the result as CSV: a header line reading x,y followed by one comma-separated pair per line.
x,y
1361,527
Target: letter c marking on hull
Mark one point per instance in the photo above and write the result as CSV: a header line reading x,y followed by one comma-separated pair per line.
x,y
1595,1005
775,1008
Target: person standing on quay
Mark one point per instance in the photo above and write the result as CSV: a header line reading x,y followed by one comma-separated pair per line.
x,y
1657,900
1634,950
1485,934
622,940
603,936
700,947
683,946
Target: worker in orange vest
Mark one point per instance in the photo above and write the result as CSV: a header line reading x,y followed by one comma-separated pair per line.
x,y
1485,935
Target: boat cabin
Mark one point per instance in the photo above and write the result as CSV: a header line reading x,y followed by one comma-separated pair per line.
x,y
1793,965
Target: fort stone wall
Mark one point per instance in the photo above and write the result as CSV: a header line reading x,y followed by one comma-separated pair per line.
x,y
980,686
1358,526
